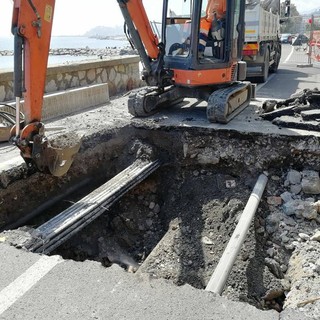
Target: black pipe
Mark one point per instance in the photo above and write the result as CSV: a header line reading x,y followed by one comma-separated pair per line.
x,y
44,206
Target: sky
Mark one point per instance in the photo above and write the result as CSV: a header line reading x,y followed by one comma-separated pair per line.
x,y
75,17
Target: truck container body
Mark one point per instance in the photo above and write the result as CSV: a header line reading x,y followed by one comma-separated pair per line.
x,y
262,47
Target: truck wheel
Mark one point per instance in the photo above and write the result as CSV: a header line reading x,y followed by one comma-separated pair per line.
x,y
265,68
275,65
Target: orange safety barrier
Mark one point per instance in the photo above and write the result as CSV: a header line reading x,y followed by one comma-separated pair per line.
x,y
315,46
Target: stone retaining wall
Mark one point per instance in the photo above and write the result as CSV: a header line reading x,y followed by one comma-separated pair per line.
x,y
121,74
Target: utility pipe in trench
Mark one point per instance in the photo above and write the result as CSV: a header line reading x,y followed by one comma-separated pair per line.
x,y
223,269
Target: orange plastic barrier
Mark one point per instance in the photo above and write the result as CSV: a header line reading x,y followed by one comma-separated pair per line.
x,y
315,46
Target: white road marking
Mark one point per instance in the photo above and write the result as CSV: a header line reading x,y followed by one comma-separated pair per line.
x,y
267,99
16,289
289,56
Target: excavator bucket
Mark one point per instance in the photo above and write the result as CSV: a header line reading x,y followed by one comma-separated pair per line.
x,y
56,155
59,160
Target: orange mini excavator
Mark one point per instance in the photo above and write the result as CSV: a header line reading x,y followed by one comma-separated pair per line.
x,y
197,54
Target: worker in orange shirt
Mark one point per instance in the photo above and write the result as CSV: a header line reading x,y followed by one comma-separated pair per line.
x,y
216,10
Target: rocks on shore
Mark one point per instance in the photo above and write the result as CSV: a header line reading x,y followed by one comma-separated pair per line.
x,y
104,52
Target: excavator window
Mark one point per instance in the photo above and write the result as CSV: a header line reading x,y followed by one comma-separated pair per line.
x,y
178,27
211,29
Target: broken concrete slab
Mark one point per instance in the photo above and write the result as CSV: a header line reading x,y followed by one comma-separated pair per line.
x,y
310,115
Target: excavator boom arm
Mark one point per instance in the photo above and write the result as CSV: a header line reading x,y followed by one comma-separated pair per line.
x,y
31,26
142,37
136,17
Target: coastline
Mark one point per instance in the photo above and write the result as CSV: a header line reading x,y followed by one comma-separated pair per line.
x,y
108,51
72,49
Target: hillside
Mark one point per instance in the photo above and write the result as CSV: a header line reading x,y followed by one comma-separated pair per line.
x,y
103,32
309,12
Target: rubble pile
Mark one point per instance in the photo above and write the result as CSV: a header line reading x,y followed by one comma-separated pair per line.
x,y
300,111
293,229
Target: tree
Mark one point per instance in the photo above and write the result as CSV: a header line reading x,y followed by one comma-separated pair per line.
x,y
292,24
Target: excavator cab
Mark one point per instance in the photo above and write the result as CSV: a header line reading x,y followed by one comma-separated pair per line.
x,y
200,42
197,55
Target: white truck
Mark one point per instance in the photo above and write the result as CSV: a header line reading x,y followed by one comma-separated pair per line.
x,y
262,47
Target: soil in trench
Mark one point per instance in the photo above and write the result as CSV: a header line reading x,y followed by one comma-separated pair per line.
x,y
176,225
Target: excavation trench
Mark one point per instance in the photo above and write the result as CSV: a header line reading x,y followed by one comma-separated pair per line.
x,y
176,223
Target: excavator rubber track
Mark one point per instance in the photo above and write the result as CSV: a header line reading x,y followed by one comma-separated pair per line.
x,y
136,103
224,104
147,101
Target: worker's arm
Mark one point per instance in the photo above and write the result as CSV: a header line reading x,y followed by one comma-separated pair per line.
x,y
215,10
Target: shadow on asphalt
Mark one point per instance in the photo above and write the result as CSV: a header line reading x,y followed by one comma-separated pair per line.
x,y
286,82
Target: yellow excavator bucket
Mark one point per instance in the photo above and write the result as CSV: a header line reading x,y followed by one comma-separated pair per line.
x,y
59,160
56,154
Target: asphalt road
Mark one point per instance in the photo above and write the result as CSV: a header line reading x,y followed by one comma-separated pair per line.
x,y
40,287
293,75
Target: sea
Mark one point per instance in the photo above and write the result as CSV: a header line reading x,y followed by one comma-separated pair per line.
x,y
61,42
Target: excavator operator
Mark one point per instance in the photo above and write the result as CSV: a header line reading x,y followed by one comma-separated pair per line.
x,y
212,22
